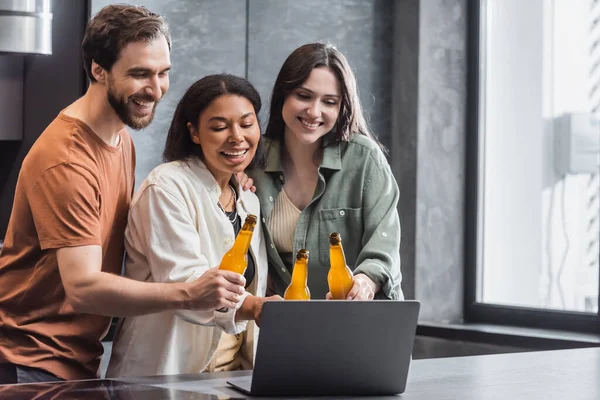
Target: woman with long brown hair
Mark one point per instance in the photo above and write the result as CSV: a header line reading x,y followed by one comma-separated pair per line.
x,y
324,171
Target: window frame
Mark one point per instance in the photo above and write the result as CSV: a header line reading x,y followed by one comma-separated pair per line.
x,y
476,312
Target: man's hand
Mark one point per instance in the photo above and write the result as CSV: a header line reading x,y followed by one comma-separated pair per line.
x,y
215,290
245,181
363,288
251,309
90,290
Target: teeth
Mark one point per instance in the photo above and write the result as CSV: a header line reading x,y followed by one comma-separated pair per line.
x,y
309,125
237,153
142,103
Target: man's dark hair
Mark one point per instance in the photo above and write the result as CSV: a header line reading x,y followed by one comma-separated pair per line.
x,y
115,26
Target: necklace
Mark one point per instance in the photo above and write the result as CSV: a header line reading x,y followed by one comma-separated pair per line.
x,y
234,212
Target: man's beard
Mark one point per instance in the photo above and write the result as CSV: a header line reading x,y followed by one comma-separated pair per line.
x,y
125,115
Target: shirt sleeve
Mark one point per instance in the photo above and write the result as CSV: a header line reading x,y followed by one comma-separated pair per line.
x,y
161,228
65,205
379,258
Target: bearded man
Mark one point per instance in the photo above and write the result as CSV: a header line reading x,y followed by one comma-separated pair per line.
x,y
60,267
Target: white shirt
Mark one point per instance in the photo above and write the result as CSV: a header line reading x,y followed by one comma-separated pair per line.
x,y
175,232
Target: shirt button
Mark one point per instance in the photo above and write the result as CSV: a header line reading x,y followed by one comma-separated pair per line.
x,y
342,213
272,246
283,269
270,198
281,178
228,240
264,222
384,234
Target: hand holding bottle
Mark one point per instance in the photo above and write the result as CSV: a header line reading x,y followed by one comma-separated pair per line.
x,y
215,289
363,288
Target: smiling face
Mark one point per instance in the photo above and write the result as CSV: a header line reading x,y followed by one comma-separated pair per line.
x,y
228,133
311,110
138,80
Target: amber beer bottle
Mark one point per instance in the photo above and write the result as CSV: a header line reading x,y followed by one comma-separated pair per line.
x,y
340,276
298,289
236,259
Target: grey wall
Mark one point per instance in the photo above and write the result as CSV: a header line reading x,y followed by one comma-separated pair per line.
x,y
441,159
360,29
405,96
409,59
253,38
209,37
429,101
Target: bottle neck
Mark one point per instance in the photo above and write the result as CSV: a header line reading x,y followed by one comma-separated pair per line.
x,y
300,273
336,256
242,242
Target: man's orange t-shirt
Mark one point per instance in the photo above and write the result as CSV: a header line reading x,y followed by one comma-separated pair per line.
x,y
73,190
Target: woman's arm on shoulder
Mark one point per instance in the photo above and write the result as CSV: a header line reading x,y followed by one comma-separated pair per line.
x,y
245,181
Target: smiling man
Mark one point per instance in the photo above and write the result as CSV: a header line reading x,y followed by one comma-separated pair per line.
x,y
60,267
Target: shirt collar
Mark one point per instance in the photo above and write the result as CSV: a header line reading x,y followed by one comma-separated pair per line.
x,y
332,154
273,150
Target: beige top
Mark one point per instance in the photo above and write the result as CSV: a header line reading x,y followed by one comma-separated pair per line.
x,y
235,351
282,223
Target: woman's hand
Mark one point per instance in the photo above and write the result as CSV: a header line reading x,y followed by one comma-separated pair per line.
x,y
251,308
258,306
362,289
245,181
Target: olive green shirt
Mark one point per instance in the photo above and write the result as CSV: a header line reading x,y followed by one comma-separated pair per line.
x,y
356,195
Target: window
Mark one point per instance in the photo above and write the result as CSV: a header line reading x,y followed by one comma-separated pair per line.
x,y
534,163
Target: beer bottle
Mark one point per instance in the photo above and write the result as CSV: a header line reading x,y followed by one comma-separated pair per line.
x,y
340,276
236,259
298,289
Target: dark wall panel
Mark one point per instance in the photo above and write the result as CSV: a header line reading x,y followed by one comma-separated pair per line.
x,y
405,95
50,84
441,159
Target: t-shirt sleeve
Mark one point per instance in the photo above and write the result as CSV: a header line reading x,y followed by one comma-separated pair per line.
x,y
65,205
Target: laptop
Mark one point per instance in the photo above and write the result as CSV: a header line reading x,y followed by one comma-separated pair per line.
x,y
332,348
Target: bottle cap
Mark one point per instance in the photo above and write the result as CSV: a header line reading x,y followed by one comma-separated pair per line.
x,y
302,254
335,238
